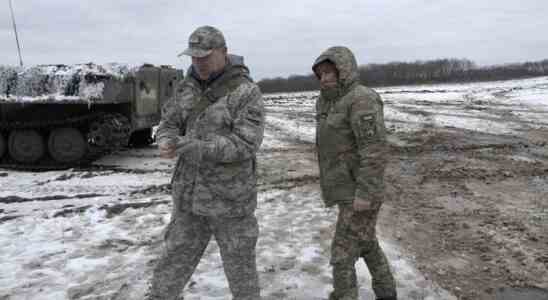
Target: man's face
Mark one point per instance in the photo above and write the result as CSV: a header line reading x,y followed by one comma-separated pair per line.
x,y
328,74
214,62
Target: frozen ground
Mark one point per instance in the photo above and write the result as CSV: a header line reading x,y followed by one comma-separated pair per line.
x,y
466,213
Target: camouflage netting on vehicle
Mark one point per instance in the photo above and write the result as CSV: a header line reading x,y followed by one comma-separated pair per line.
x,y
58,82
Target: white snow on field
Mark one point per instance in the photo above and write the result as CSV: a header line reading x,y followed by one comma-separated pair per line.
x,y
305,131
91,255
482,106
502,107
60,258
48,258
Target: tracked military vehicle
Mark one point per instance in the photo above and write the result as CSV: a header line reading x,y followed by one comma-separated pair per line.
x,y
59,116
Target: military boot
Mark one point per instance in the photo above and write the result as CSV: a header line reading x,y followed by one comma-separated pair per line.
x,y
149,295
348,296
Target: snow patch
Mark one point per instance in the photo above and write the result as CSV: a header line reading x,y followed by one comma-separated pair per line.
x,y
59,82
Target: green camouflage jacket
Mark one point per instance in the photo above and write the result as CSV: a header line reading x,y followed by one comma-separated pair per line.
x,y
217,177
350,135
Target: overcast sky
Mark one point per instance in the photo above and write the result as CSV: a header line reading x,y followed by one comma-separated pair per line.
x,y
277,38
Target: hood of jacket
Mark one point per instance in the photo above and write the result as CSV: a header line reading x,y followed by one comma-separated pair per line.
x,y
346,65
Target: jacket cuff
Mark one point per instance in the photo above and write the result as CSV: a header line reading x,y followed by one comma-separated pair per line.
x,y
360,193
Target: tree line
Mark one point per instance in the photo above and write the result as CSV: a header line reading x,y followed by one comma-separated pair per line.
x,y
419,72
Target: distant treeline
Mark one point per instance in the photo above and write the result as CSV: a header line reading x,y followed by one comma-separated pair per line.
x,y
419,72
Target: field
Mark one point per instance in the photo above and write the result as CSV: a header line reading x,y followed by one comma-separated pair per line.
x,y
466,212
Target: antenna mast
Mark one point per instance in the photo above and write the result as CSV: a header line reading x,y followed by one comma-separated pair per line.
x,y
16,35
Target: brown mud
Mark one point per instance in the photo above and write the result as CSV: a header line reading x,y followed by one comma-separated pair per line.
x,y
471,209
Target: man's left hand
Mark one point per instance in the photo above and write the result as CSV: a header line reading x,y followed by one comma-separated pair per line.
x,y
361,204
167,150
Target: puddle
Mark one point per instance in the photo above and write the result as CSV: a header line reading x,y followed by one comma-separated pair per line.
x,y
521,294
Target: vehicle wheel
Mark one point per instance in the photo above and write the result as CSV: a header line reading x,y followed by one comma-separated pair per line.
x,y
26,146
67,145
110,131
2,145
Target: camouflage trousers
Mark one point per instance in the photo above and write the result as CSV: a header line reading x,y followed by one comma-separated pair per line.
x,y
186,239
355,237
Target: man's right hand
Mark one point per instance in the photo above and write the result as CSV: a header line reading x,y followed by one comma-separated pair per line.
x,y
167,150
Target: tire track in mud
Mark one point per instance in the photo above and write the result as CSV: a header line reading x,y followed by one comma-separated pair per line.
x,y
17,199
450,140
461,173
9,218
165,190
153,190
288,183
106,190
419,149
123,170
504,116
488,148
112,210
297,150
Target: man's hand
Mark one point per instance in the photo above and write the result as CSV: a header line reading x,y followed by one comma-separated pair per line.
x,y
186,146
180,146
167,150
360,204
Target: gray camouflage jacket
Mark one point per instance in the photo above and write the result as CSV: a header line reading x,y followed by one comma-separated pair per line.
x,y
218,176
350,135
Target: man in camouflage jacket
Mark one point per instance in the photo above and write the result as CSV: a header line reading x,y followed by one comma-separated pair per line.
x,y
351,141
215,124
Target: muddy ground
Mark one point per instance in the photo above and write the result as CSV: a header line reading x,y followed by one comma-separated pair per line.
x,y
468,209
471,208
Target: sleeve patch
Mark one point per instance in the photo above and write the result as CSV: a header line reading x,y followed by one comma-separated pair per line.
x,y
368,125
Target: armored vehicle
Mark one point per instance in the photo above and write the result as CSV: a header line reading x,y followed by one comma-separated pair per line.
x,y
59,116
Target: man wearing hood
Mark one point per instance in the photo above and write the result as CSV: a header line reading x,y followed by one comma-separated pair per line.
x,y
351,142
215,125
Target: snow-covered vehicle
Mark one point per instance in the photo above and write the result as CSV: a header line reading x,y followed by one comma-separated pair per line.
x,y
59,116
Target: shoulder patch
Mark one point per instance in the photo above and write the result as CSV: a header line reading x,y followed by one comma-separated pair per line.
x,y
368,125
368,117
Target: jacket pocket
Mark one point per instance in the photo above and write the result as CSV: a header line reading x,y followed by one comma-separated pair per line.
x,y
231,181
